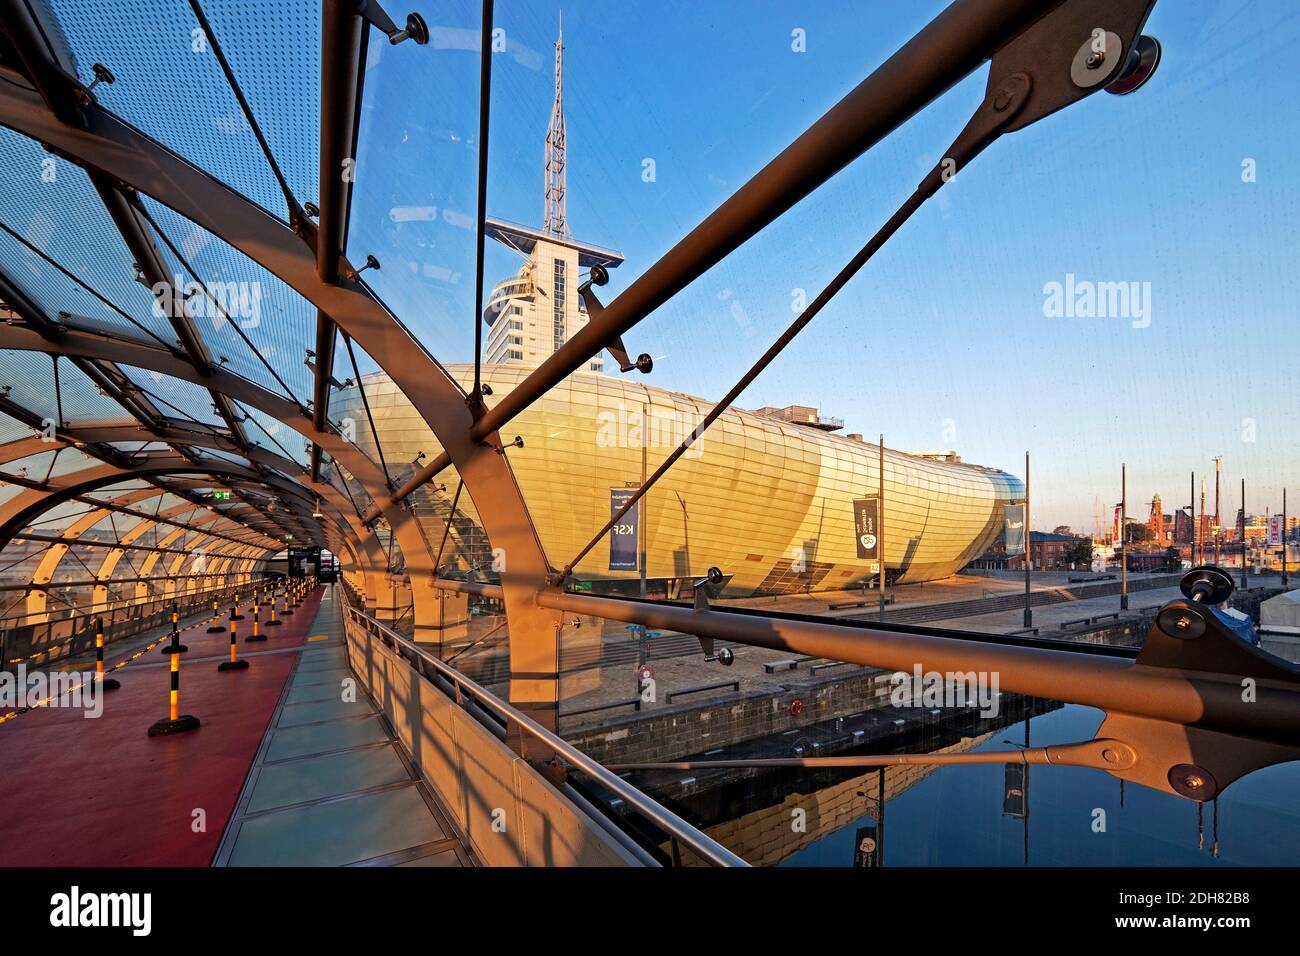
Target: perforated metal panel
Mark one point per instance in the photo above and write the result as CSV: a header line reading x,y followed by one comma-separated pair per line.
x,y
170,85
52,214
243,301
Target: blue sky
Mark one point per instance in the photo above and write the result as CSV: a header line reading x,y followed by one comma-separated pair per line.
x,y
941,341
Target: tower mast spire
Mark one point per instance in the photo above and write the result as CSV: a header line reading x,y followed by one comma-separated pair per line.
x,y
555,222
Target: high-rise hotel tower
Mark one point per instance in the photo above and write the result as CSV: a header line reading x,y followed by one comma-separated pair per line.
x,y
538,309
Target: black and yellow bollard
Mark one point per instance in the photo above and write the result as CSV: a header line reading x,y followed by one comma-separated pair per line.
x,y
217,627
105,683
235,612
234,664
257,634
175,647
174,723
272,622
286,607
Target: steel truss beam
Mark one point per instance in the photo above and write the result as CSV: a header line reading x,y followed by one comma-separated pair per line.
x,y
151,357
950,48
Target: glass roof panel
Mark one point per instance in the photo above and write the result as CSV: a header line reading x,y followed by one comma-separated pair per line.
x,y
243,301
175,398
34,467
58,216
276,60
81,398
274,435
170,85
414,199
11,429
29,377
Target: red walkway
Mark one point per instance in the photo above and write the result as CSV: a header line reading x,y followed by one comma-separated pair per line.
x,y
88,792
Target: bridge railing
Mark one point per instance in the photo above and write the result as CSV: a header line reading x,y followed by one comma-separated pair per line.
x,y
480,702
42,641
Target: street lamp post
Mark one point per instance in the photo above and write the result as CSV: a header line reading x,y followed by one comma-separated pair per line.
x,y
1243,534
1123,537
880,524
1218,521
1029,549
1283,537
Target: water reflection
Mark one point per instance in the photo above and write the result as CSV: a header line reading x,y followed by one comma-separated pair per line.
x,y
972,815
955,817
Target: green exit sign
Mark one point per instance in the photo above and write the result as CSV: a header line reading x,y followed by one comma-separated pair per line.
x,y
220,496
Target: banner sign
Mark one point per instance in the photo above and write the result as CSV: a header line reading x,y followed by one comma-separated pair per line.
x,y
624,537
1015,529
866,527
866,846
1274,529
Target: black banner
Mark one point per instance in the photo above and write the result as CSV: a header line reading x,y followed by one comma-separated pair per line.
x,y
866,528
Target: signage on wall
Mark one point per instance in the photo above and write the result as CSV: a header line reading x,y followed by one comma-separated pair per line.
x,y
624,537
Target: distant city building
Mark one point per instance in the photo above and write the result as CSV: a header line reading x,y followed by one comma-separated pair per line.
x,y
1051,551
1156,523
531,314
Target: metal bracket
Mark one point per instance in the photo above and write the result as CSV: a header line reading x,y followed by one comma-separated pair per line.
x,y
1189,760
1074,32
373,13
643,363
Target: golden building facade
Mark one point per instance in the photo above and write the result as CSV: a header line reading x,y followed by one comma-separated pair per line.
x,y
768,502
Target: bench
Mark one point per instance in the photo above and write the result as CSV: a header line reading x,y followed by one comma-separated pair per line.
x,y
633,702
773,666
730,684
821,667
867,602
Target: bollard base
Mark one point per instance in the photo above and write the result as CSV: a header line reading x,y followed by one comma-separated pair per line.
x,y
216,629
232,666
178,726
254,638
273,623
237,617
285,613
174,649
107,683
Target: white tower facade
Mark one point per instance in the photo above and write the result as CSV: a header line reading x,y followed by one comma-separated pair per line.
x,y
538,309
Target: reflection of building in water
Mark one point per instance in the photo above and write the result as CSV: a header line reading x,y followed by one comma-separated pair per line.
x,y
757,811
769,502
764,837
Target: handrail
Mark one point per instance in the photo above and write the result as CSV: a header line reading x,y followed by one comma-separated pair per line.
x,y
156,606
703,845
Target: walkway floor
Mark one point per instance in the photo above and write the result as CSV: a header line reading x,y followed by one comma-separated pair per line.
x,y
330,786
300,777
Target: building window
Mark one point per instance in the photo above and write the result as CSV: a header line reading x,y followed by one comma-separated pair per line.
x,y
517,356
516,326
597,367
516,340
559,300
